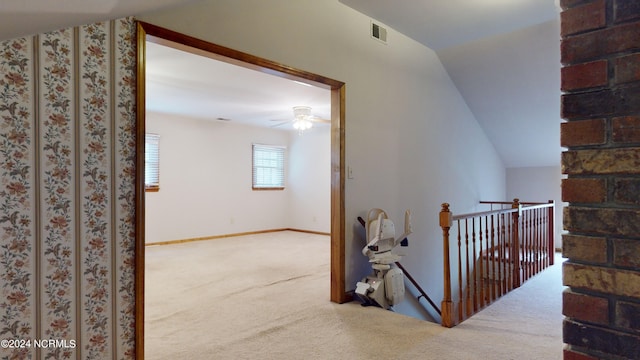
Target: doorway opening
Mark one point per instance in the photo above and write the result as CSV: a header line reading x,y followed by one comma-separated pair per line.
x,y
152,33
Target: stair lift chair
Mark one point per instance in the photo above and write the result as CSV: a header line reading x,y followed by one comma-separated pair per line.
x,y
385,286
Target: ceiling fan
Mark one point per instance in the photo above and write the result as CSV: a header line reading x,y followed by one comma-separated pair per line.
x,y
302,119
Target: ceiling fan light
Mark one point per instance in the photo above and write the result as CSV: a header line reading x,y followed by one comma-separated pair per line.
x,y
301,116
301,112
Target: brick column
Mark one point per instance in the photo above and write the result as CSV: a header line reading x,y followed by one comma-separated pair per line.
x,y
601,102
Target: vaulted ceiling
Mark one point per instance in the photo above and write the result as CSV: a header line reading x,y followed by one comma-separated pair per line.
x,y
503,56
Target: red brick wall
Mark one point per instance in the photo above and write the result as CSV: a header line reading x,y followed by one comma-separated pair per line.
x,y
601,105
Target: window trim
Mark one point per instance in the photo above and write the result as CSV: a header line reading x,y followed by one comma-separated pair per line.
x,y
282,150
153,187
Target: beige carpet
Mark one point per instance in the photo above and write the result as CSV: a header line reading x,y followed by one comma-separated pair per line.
x,y
266,297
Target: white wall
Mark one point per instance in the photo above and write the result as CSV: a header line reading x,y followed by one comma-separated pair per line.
x,y
538,184
511,82
205,181
411,140
310,180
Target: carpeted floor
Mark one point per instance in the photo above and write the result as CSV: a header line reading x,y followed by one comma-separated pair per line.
x,y
266,297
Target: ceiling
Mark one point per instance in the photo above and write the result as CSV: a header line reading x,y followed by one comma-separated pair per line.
x,y
502,55
26,17
440,24
184,84
504,58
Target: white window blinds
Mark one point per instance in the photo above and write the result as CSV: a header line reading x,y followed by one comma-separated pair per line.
x,y
268,166
151,162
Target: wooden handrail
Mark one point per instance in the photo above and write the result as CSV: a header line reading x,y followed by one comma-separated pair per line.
x,y
422,292
483,213
511,203
497,251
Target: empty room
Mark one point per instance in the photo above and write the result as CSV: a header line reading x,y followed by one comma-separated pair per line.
x,y
236,202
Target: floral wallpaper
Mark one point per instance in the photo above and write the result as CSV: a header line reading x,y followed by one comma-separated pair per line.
x,y
67,172
57,188
17,195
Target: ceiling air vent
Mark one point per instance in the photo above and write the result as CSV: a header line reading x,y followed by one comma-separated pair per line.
x,y
378,32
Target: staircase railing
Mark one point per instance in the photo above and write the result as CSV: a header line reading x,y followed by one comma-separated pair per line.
x,y
494,252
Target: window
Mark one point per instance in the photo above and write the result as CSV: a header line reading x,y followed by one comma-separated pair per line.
x,y
268,167
151,162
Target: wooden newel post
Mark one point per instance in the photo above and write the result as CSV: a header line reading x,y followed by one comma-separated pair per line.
x,y
515,242
552,232
446,220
